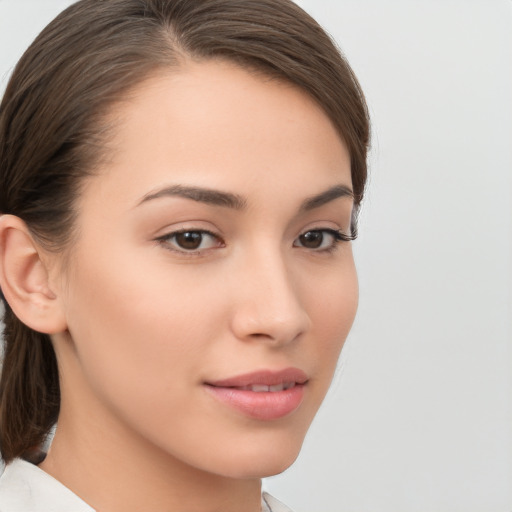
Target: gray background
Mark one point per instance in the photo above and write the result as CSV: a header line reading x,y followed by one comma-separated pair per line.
x,y
420,414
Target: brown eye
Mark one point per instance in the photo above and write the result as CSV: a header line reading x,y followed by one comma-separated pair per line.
x,y
190,241
312,239
320,239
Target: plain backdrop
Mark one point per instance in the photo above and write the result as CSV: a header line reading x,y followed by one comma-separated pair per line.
x,y
419,418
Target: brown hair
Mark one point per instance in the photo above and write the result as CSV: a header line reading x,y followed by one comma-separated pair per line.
x,y
52,128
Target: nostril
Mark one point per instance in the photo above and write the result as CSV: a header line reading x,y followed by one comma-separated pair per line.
x,y
268,306
269,329
260,335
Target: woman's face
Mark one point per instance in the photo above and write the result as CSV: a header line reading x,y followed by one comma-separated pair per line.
x,y
209,292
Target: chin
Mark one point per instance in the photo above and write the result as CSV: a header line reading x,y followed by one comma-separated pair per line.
x,y
262,461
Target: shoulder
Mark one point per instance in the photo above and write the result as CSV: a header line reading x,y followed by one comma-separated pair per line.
x,y
271,504
26,488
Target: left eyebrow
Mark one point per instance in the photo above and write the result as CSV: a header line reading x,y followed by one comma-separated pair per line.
x,y
326,197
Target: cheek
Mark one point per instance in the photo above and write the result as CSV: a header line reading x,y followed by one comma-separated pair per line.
x,y
141,350
332,307
140,325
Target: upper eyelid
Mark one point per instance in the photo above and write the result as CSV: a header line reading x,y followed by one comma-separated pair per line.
x,y
338,234
344,236
190,230
183,228
341,232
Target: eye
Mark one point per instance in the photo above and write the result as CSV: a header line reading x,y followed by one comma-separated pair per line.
x,y
191,240
321,239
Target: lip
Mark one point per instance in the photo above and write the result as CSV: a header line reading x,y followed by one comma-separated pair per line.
x,y
263,377
261,405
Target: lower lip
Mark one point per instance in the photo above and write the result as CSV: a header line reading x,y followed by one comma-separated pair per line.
x,y
270,405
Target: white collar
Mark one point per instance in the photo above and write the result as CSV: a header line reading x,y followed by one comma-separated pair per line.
x,y
26,488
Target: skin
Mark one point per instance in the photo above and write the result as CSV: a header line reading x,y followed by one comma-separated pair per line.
x,y
147,322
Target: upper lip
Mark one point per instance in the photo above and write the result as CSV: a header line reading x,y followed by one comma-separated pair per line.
x,y
263,377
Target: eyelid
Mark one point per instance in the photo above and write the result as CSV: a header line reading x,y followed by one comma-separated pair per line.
x,y
335,231
342,235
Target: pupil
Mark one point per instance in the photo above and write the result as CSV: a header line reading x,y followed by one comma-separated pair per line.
x,y
312,239
189,240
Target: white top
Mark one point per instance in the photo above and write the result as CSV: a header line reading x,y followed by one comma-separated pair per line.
x,y
26,488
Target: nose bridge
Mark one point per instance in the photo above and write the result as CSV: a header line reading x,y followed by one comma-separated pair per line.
x,y
268,304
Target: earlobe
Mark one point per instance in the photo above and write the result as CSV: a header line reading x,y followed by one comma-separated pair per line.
x,y
24,279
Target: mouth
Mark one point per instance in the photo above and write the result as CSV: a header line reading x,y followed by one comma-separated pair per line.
x,y
263,380
262,388
264,395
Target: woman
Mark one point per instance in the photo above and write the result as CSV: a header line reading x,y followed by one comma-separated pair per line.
x,y
180,185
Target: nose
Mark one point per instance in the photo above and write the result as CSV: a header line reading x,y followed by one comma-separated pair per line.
x,y
267,305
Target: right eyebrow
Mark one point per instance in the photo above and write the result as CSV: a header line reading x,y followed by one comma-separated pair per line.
x,y
199,194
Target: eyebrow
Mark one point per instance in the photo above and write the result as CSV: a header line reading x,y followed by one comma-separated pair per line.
x,y
237,202
201,195
326,197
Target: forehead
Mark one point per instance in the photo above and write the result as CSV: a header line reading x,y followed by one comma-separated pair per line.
x,y
216,124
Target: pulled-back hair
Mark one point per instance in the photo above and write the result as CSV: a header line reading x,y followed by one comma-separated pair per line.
x,y
53,128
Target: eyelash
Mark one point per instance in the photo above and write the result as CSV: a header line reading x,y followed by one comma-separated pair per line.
x,y
338,236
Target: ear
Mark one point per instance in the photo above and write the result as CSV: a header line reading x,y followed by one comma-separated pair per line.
x,y
24,279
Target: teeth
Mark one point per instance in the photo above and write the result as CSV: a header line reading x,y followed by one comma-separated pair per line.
x,y
259,388
262,388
